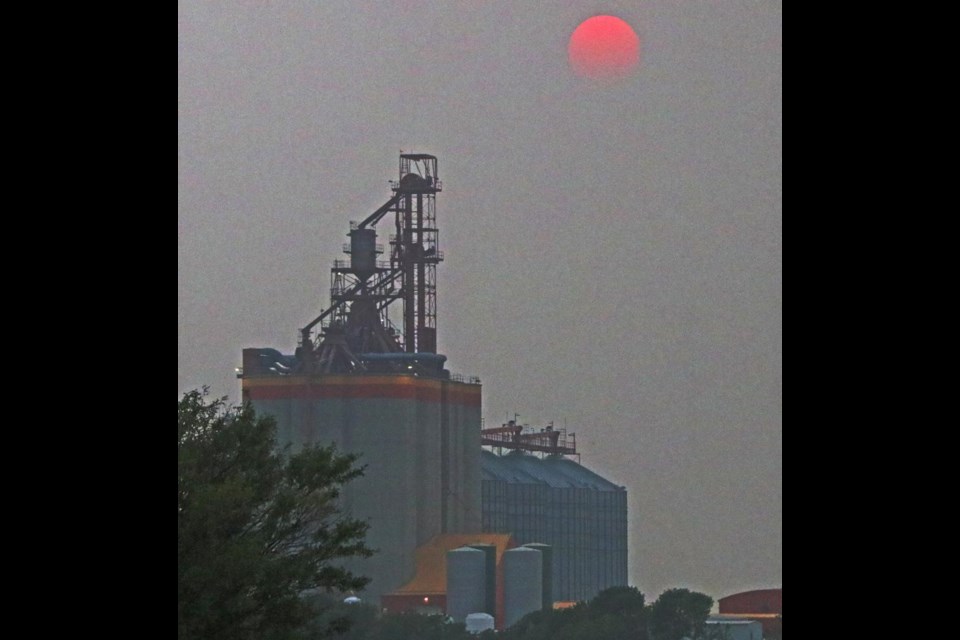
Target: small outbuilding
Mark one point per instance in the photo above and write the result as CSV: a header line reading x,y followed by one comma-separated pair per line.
x,y
734,629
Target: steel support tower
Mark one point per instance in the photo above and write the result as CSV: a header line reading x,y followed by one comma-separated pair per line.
x,y
357,331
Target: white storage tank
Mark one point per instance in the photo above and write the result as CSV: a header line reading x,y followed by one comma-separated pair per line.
x,y
479,622
522,583
466,584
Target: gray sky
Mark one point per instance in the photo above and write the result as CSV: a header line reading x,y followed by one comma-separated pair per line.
x,y
613,252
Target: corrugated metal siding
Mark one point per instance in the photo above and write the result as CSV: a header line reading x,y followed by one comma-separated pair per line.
x,y
563,504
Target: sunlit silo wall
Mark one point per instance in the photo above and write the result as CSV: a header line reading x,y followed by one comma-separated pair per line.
x,y
558,502
419,439
466,582
522,583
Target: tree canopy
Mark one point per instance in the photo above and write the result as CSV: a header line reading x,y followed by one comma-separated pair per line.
x,y
678,614
257,525
620,613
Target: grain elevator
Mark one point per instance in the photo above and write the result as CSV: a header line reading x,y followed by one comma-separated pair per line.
x,y
366,375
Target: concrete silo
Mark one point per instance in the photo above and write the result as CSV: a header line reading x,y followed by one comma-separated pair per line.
x,y
373,383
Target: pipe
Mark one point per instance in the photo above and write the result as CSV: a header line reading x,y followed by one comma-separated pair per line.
x,y
404,357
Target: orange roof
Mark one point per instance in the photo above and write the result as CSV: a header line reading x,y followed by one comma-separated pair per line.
x,y
431,559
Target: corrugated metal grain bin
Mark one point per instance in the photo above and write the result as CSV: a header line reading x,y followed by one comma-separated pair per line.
x,y
561,503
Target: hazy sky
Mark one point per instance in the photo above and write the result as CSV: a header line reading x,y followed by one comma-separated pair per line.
x,y
613,252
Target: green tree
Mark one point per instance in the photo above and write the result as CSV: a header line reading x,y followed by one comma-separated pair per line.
x,y
679,613
257,526
620,613
617,613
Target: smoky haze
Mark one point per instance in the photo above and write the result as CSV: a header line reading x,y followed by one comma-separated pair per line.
x,y
613,251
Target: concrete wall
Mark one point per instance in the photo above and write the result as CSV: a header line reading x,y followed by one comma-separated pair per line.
x,y
419,439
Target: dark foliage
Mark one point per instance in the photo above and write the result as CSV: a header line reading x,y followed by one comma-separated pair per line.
x,y
256,526
617,613
679,613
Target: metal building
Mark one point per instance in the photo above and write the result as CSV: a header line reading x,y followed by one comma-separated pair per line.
x,y
762,605
733,629
556,501
366,376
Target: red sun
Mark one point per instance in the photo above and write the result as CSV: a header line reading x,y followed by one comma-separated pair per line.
x,y
603,47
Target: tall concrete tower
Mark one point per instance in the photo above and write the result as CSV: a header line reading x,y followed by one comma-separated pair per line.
x,y
374,384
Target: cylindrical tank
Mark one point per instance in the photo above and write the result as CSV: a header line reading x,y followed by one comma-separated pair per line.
x,y
546,552
412,183
466,590
490,577
363,252
522,583
479,622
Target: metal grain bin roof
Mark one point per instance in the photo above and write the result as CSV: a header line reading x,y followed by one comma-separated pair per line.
x,y
516,468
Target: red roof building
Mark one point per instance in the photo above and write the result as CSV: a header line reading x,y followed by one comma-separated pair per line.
x,y
762,605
